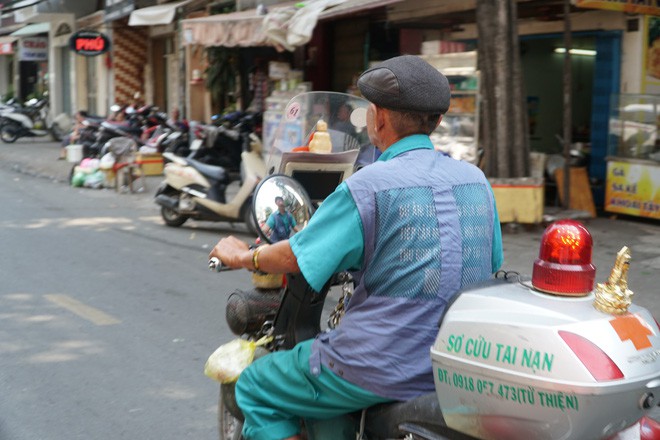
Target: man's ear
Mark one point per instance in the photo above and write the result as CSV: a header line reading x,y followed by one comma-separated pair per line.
x,y
380,118
439,121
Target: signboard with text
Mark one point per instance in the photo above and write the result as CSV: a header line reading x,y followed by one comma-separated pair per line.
x,y
89,43
633,189
651,7
33,49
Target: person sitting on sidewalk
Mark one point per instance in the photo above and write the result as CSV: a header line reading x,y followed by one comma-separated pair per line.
x,y
73,137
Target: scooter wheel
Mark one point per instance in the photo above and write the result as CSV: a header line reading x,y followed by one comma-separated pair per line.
x,y
172,217
8,134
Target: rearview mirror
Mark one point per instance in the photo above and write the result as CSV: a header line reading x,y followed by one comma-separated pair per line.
x,y
281,207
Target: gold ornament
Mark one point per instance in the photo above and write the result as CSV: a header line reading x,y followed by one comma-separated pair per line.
x,y
614,297
320,142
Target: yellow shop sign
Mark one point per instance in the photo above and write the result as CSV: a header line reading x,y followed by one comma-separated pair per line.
x,y
651,7
633,189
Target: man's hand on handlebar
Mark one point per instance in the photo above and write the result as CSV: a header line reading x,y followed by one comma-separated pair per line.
x,y
233,253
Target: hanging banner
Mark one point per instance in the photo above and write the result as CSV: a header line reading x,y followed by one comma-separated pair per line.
x,y
650,7
33,49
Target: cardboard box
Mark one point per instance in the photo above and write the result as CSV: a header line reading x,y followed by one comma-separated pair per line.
x,y
519,200
152,164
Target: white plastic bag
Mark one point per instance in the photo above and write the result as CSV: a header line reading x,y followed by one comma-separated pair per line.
x,y
230,359
107,161
292,26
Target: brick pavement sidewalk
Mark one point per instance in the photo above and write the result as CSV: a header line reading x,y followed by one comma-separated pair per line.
x,y
39,157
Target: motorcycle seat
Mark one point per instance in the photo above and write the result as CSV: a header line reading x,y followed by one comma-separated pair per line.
x,y
215,173
386,419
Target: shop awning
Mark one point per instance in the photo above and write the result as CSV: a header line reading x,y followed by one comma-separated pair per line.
x,y
31,29
236,29
246,28
649,8
354,6
155,15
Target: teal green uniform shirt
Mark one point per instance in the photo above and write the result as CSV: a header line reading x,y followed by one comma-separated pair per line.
x,y
333,240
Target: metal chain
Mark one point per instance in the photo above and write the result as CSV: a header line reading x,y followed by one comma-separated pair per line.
x,y
346,292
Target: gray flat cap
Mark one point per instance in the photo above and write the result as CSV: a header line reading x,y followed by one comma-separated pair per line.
x,y
406,83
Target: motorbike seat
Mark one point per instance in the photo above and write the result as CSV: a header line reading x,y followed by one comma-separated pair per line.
x,y
384,420
213,172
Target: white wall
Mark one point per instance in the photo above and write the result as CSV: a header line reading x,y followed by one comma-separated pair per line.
x,y
632,59
55,61
5,77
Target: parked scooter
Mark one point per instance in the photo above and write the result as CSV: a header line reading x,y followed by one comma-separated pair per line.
x,y
511,360
165,136
223,142
33,120
10,106
193,189
132,127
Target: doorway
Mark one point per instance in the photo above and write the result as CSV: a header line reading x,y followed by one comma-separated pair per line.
x,y
543,63
28,72
595,77
162,49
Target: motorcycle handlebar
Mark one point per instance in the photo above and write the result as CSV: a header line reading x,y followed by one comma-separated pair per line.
x,y
216,265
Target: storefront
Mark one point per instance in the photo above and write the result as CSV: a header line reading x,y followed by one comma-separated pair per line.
x,y
330,51
32,60
597,71
44,61
92,89
633,161
162,74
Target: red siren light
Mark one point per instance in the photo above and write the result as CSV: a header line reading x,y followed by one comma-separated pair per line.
x,y
564,263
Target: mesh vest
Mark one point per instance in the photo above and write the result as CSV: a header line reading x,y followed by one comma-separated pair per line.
x,y
428,226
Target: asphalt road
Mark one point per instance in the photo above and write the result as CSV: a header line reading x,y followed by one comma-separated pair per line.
x,y
106,316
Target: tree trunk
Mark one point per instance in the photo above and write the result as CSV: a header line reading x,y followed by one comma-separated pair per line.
x,y
568,103
505,133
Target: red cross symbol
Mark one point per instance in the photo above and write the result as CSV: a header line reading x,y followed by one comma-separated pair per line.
x,y
633,328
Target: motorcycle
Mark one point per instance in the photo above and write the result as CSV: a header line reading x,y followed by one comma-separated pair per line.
x,y
33,120
194,189
222,143
132,128
514,358
10,106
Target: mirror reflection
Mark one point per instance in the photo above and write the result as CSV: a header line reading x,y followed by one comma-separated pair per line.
x,y
281,208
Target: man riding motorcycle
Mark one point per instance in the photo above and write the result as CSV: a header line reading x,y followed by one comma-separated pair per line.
x,y
418,225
